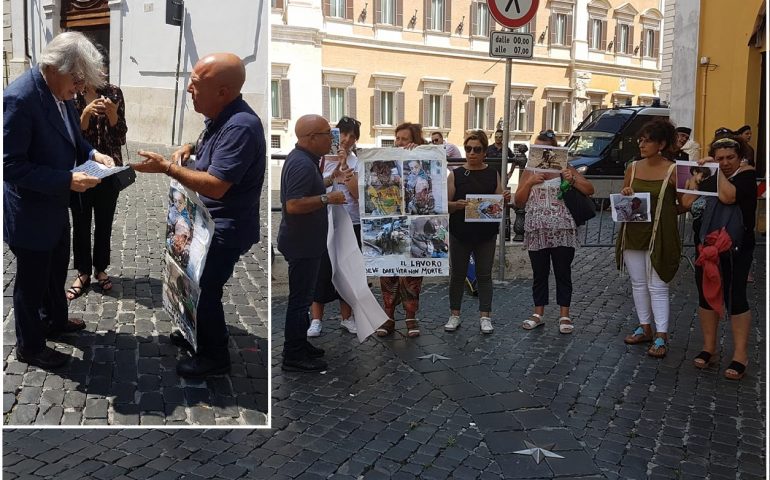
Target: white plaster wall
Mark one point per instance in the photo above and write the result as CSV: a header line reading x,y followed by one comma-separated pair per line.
x,y
685,63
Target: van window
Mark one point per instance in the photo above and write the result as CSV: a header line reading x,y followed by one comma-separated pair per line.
x,y
610,121
629,145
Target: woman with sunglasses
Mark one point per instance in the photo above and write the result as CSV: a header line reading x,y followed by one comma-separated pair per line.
x,y
737,185
650,251
550,235
404,290
473,177
339,174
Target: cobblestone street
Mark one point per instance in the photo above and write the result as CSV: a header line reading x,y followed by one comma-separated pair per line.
x,y
123,366
381,411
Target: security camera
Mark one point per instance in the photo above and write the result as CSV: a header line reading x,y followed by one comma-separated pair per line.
x,y
704,60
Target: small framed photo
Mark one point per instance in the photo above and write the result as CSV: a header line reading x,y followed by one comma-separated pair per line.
x,y
544,158
697,179
484,208
630,209
335,142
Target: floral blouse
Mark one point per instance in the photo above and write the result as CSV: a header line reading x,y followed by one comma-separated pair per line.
x,y
100,134
548,223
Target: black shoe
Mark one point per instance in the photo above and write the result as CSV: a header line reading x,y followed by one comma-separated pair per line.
x,y
47,358
313,352
198,366
70,326
177,339
518,238
303,365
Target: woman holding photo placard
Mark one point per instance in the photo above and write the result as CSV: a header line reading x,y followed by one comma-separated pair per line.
x,y
550,235
404,290
473,177
650,251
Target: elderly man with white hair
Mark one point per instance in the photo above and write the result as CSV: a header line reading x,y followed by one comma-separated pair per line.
x,y
41,145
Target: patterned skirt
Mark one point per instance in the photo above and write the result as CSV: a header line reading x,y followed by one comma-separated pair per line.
x,y
405,290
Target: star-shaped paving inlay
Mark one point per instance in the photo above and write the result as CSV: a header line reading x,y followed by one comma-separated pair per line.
x,y
538,453
433,357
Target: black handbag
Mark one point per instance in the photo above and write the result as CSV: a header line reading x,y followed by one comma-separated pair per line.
x,y
123,178
580,206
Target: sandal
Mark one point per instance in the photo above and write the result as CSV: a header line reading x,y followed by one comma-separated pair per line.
x,y
638,337
386,328
104,283
565,325
412,329
77,290
703,360
658,349
738,368
534,321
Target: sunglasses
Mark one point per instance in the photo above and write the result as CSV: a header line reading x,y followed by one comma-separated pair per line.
x,y
346,120
469,149
435,141
548,133
725,141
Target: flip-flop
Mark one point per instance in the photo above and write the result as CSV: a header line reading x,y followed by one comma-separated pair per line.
x,y
637,337
659,348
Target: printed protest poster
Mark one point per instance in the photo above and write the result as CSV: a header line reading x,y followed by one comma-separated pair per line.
x,y
335,148
631,208
545,158
189,229
404,215
484,208
697,179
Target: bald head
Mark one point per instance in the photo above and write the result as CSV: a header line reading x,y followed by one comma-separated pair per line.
x,y
216,81
313,134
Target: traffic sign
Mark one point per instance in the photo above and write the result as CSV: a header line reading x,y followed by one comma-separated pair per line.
x,y
512,13
511,45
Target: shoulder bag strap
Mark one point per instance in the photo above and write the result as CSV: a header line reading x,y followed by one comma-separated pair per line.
x,y
659,207
623,225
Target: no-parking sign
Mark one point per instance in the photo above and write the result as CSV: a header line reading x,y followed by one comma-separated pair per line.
x,y
513,13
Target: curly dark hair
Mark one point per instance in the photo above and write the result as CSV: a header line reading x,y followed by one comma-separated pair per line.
x,y
735,142
415,130
350,125
661,130
479,135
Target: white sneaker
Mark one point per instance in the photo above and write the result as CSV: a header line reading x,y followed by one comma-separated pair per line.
x,y
349,324
452,323
486,325
315,328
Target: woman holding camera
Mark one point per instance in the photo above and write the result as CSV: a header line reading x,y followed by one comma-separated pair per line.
x,y
103,122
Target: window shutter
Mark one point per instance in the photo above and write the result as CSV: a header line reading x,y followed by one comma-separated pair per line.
x,y
349,9
378,12
617,37
285,99
590,33
490,23
531,116
447,16
630,47
326,7
547,115
474,21
604,35
426,15
643,50
532,26
490,113
569,31
376,102
566,117
551,32
351,102
278,4
469,111
425,109
325,107
446,112
400,113
655,44
399,13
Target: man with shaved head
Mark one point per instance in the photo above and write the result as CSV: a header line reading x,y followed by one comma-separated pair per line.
x,y
302,236
228,173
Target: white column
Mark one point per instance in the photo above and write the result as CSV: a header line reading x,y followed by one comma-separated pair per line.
x,y
580,39
18,63
116,40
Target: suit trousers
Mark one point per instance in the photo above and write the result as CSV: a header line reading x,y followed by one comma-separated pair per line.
x,y
99,204
39,301
211,327
303,273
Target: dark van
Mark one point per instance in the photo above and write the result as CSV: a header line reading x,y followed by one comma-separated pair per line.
x,y
605,141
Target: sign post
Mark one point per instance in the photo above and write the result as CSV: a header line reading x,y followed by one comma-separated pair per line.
x,y
509,45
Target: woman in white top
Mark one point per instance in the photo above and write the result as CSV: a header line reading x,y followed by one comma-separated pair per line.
x,y
340,173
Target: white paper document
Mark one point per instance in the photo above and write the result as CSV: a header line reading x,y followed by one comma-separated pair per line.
x,y
96,169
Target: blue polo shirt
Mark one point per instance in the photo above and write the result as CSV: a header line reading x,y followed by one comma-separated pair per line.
x,y
302,235
232,149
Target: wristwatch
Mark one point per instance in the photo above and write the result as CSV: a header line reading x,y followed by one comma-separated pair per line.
x,y
325,199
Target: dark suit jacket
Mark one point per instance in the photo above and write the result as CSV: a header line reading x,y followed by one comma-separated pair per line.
x,y
38,155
